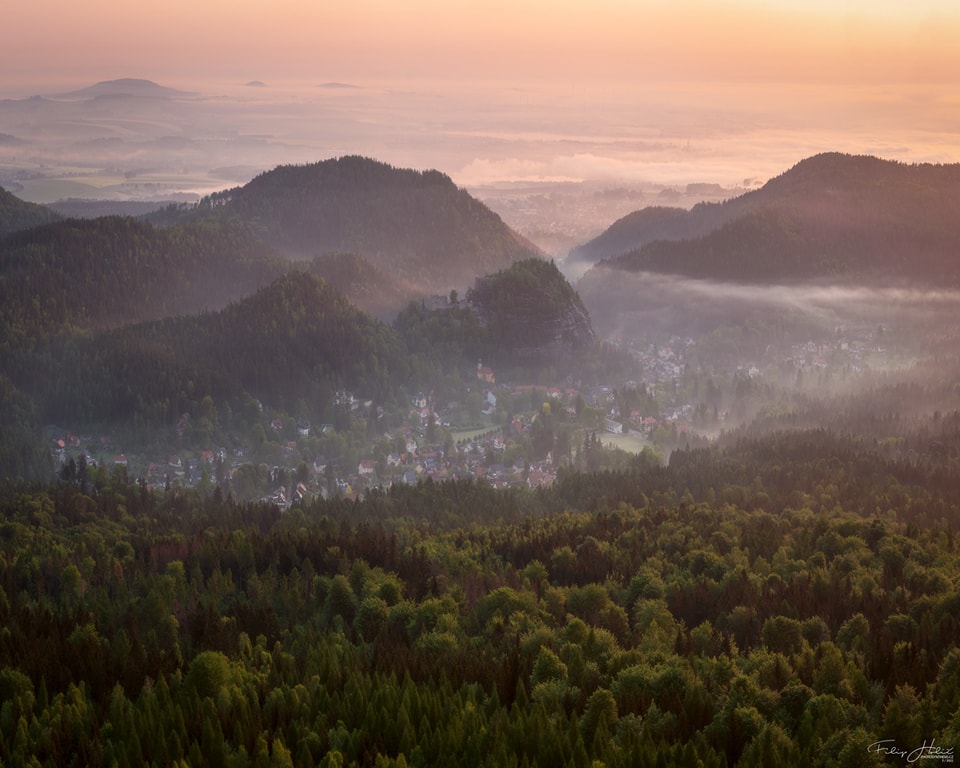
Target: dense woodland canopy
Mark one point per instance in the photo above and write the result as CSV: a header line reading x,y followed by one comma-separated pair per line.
x,y
108,272
705,612
530,303
16,214
292,346
366,286
296,339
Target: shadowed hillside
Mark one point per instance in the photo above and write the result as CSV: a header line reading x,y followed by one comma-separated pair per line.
x,y
417,227
834,222
297,339
832,216
366,286
112,271
17,214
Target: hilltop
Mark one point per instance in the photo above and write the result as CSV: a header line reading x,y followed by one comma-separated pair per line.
x,y
531,310
124,87
417,227
519,319
833,220
832,216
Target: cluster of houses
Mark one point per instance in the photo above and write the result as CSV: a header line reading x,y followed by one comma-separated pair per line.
x,y
420,455
493,456
419,461
664,362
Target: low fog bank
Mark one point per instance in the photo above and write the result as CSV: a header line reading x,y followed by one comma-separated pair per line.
x,y
646,306
731,359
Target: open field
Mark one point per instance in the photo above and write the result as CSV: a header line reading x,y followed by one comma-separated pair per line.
x,y
50,189
631,442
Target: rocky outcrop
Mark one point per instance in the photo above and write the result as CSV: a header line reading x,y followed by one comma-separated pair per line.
x,y
532,312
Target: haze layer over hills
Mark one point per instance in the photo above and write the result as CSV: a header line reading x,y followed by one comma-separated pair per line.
x,y
417,227
117,321
833,239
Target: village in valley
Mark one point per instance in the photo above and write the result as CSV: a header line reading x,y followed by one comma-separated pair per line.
x,y
507,435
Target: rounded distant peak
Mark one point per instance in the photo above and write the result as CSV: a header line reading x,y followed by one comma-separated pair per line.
x,y
124,86
129,82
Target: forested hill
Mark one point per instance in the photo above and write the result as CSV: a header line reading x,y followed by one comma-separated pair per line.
x,y
788,602
518,320
530,308
366,286
296,340
17,214
108,272
636,229
830,217
415,226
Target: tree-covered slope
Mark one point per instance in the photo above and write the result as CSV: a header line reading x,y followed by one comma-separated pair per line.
x,y
17,214
632,231
295,340
111,271
830,216
521,321
366,286
415,226
530,308
788,601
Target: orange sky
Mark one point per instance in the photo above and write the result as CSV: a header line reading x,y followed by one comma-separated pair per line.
x,y
486,90
854,41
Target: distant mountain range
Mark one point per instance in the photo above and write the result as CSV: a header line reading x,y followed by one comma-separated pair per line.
x,y
831,217
125,86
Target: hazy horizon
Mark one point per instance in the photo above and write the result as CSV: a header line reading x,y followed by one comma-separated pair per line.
x,y
731,93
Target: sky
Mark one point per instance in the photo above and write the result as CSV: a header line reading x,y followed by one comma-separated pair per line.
x,y
492,91
853,40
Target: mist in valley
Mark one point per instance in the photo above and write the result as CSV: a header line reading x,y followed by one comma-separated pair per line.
x,y
644,303
557,163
